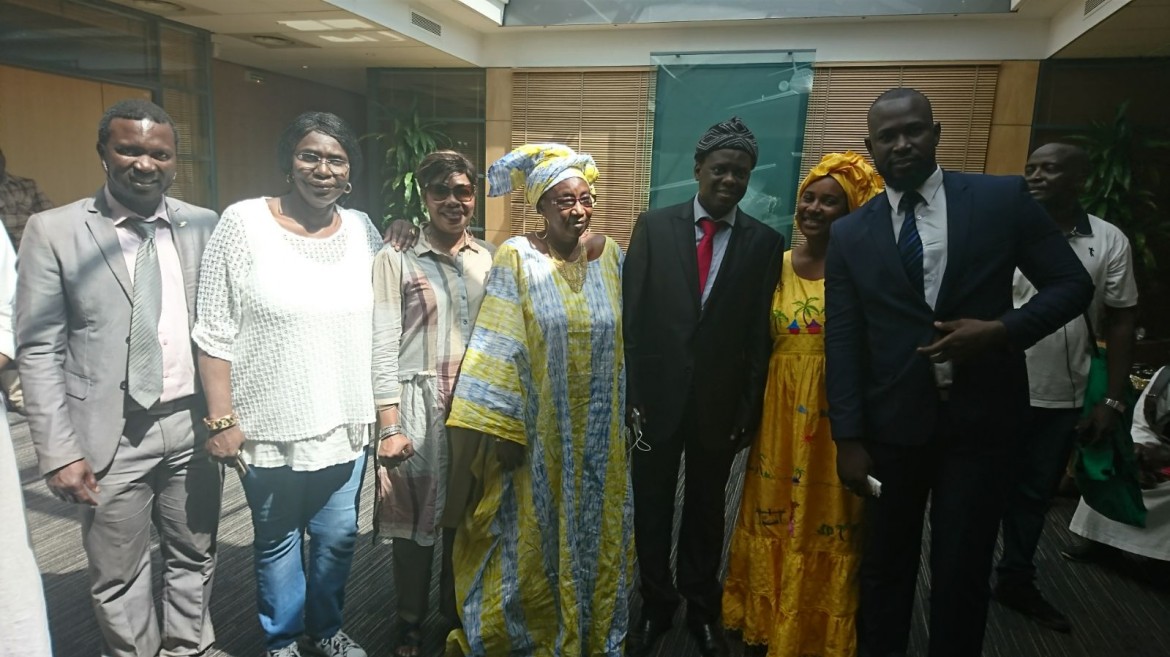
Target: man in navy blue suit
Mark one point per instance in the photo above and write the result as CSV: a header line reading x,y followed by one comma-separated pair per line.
x,y
926,379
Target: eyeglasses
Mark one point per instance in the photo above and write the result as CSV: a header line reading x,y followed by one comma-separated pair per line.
x,y
440,192
567,202
335,164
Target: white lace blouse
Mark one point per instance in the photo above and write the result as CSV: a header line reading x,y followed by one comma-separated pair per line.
x,y
293,315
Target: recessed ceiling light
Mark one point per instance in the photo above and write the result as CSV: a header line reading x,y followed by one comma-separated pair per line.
x,y
158,6
305,26
347,24
272,40
353,38
392,36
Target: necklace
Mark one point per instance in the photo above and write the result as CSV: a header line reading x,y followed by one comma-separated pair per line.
x,y
573,271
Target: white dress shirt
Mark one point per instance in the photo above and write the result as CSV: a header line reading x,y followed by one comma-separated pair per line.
x,y
931,219
174,332
718,245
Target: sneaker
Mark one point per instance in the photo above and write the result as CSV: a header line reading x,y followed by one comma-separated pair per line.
x,y
339,645
290,650
1025,598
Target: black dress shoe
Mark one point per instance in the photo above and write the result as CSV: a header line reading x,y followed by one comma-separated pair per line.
x,y
710,638
644,636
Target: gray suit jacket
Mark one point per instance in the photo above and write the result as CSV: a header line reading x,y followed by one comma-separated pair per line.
x,y
72,322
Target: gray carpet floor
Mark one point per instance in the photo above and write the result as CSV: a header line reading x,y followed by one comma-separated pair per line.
x,y
1119,610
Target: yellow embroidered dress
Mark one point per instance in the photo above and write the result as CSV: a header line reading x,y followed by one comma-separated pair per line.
x,y
543,563
792,575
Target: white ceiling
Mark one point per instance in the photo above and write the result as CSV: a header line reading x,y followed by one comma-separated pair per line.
x,y
1139,29
233,23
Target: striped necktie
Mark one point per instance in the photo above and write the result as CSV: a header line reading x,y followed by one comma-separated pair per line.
x,y
910,242
145,367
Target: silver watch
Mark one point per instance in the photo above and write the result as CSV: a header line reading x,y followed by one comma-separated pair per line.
x,y
1114,404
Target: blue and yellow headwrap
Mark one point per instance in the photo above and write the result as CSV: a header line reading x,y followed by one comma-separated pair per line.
x,y
536,168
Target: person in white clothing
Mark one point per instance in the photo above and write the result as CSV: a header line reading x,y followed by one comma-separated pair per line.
x,y
24,628
1058,368
1152,443
284,329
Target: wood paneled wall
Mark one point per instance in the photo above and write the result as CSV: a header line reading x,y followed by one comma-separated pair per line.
x,y
249,117
48,129
1011,122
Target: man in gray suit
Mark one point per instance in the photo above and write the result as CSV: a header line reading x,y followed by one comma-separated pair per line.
x,y
104,305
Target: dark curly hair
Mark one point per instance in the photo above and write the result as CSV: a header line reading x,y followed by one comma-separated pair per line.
x,y
134,109
326,124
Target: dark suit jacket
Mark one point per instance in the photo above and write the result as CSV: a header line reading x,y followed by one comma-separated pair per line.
x,y
715,357
879,388
73,324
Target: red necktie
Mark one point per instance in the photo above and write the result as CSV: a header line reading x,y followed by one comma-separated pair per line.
x,y
706,246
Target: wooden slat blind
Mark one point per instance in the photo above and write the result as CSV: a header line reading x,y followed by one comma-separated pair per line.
x,y
604,113
962,96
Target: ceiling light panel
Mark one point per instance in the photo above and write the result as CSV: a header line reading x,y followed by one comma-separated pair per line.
x,y
353,38
306,26
347,24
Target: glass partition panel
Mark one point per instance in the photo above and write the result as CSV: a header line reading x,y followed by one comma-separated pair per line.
x,y
768,91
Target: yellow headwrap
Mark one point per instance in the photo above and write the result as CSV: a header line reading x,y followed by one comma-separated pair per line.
x,y
852,172
536,168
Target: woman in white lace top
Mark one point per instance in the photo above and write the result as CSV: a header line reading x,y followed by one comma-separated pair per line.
x,y
285,311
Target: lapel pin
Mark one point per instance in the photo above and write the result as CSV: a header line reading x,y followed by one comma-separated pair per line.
x,y
182,224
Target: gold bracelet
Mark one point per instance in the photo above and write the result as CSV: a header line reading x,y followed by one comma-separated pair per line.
x,y
220,423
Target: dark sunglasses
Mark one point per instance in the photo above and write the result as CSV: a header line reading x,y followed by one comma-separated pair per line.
x,y
567,202
440,192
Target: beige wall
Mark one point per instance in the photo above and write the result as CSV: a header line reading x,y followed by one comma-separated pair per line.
x,y
48,129
249,117
497,142
1011,120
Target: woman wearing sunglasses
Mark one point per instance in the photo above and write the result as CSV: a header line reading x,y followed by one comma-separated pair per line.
x,y
285,310
426,299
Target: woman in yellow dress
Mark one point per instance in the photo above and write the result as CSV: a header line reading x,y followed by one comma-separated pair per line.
x,y
543,562
792,578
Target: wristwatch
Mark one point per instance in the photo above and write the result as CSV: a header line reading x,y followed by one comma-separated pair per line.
x,y
220,423
1114,404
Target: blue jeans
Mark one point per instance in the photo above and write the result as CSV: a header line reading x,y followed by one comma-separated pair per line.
x,y
285,504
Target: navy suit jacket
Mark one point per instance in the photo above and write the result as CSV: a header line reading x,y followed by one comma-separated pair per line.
x,y
678,352
879,388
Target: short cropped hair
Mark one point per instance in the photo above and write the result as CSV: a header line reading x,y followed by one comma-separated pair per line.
x,y
326,124
438,166
135,109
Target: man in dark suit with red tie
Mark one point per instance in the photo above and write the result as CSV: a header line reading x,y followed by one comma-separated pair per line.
x,y
697,286
925,370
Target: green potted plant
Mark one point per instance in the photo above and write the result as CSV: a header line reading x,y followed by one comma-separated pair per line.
x,y
403,146
1120,189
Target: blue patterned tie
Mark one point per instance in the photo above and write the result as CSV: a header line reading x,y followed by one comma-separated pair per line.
x,y
909,241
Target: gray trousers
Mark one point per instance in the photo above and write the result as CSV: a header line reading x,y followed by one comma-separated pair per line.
x,y
24,629
161,476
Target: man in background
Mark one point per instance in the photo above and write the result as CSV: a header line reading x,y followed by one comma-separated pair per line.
x,y
1058,369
